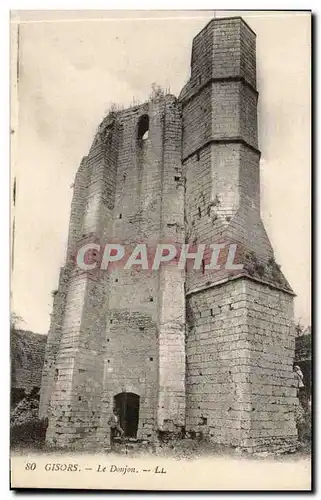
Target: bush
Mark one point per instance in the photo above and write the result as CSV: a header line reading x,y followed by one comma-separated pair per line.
x,y
25,426
27,409
303,422
30,432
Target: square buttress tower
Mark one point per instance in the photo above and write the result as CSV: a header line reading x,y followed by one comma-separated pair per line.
x,y
239,336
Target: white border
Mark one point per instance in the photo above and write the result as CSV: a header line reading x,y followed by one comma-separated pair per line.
x,y
4,171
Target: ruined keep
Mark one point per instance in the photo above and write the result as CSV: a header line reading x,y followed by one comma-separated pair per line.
x,y
173,351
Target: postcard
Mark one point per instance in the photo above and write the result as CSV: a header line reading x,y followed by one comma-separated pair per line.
x,y
160,251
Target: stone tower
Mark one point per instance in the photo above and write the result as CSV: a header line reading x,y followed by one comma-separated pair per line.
x,y
202,352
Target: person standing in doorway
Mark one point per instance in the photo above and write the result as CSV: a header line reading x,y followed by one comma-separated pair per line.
x,y
115,429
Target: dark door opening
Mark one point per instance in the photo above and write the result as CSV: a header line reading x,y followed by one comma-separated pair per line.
x,y
127,404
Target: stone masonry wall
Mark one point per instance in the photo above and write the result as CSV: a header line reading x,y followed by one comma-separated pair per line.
x,y
240,347
215,347
73,403
130,363
273,392
53,342
149,201
171,318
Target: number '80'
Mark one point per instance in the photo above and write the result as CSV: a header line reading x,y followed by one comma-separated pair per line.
x,y
30,466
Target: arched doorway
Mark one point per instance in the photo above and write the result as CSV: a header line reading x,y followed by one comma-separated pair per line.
x,y
127,405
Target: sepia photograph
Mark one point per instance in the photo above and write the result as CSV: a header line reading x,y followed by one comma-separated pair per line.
x,y
161,334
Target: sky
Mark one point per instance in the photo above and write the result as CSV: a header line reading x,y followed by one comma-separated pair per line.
x,y
74,65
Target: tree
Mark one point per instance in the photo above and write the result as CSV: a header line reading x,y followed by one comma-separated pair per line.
x,y
15,319
157,92
299,329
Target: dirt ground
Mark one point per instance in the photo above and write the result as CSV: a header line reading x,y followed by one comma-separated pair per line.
x,y
185,449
